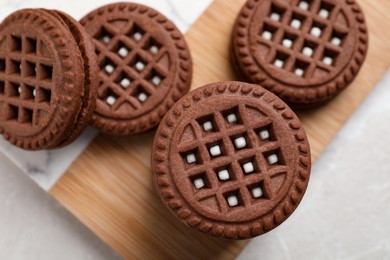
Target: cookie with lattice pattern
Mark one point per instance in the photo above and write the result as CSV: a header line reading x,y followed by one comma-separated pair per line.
x,y
145,66
48,72
305,51
231,160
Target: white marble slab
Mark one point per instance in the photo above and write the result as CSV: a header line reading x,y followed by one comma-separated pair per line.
x,y
35,226
345,213
46,167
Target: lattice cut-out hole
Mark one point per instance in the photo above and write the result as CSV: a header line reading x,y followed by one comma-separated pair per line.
x,y
191,157
2,65
28,92
280,60
323,13
12,112
207,126
240,142
223,174
137,33
110,100
13,89
264,134
275,16
299,72
31,45
287,43
336,41
121,49
207,123
325,10
138,63
125,82
273,159
233,198
104,36
327,60
295,23
276,13
300,68
2,87
26,116
30,69
45,72
232,116
110,97
43,95
155,78
337,38
15,67
215,150
248,167
316,31
16,43
279,63
142,97
257,192
329,57
152,46
307,51
154,49
141,94
267,35
199,183
109,68
123,52
304,5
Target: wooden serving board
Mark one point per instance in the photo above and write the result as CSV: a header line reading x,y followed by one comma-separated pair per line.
x,y
109,187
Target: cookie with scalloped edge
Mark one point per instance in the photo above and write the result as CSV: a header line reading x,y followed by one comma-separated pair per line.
x,y
305,51
231,160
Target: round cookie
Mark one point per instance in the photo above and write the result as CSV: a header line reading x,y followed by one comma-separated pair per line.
x,y
48,72
305,51
231,160
145,66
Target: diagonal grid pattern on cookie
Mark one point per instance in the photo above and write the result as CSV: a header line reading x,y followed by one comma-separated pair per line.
x,y
26,71
306,39
237,175
128,59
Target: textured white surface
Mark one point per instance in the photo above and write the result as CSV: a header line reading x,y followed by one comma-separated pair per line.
x,y
46,167
34,226
345,213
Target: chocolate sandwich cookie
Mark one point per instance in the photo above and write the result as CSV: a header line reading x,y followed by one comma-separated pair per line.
x,y
305,51
48,72
145,66
231,160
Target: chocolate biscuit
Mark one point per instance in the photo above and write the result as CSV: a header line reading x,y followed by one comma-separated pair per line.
x,y
48,73
305,51
145,67
231,160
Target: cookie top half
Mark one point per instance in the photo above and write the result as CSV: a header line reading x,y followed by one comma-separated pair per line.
x,y
47,72
145,66
305,51
231,160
